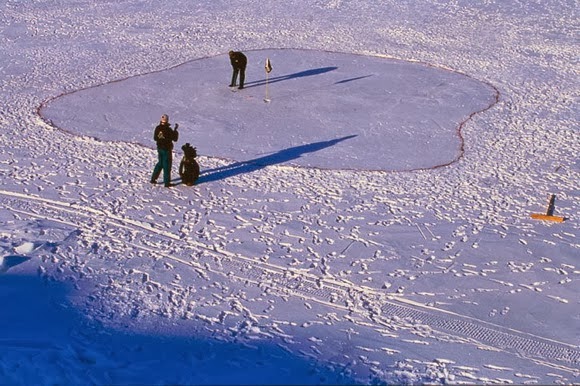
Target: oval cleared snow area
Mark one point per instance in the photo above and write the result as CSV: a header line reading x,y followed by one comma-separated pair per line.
x,y
326,109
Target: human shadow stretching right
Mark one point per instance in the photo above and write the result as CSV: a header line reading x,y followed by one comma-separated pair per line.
x,y
281,78
260,163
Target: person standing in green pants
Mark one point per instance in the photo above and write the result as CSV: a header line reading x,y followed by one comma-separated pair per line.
x,y
164,136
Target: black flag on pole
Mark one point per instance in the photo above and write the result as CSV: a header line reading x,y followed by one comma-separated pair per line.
x,y
268,68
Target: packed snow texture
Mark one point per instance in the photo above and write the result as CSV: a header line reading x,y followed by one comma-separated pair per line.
x,y
376,113
369,224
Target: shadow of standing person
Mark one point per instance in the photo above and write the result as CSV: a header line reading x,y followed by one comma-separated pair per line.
x,y
272,159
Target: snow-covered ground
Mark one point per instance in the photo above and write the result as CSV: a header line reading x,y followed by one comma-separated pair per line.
x,y
370,224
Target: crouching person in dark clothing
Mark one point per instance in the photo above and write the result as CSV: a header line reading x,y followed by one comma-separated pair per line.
x,y
164,136
189,168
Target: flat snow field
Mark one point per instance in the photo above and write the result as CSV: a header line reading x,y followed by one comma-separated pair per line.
x,y
363,213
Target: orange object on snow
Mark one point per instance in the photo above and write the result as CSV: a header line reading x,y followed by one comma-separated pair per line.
x,y
549,216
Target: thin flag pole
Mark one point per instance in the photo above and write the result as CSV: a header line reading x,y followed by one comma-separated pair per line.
x,y
267,93
268,68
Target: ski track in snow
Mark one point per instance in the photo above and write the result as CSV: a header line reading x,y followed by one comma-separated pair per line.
x,y
290,281
413,276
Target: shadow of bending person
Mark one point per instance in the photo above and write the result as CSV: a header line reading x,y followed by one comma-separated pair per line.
x,y
315,71
261,162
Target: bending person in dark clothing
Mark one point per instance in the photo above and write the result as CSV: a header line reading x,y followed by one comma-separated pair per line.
x,y
239,62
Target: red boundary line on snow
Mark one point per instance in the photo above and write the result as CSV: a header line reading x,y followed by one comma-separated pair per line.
x,y
459,128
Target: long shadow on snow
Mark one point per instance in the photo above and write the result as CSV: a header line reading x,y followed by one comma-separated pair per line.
x,y
281,78
44,339
272,159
